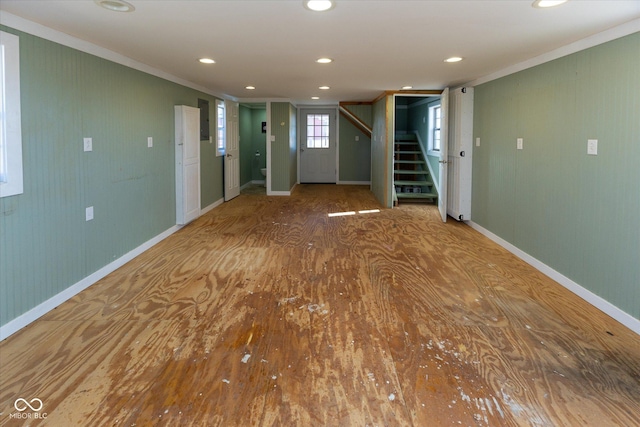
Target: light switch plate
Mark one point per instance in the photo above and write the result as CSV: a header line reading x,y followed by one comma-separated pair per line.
x,y
88,144
149,141
477,142
89,213
273,138
520,143
592,147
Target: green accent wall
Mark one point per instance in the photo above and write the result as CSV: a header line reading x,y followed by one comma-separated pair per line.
x,y
577,213
382,151
46,245
355,156
284,166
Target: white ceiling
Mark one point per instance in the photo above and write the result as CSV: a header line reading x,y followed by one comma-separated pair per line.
x,y
376,45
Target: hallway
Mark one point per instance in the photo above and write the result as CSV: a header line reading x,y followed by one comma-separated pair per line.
x,y
268,312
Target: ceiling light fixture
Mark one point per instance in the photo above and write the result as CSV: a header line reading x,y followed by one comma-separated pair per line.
x,y
453,59
115,5
324,88
542,4
207,61
315,97
324,60
407,87
250,87
319,5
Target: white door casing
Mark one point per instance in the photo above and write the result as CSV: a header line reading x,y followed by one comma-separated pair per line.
x,y
232,151
187,151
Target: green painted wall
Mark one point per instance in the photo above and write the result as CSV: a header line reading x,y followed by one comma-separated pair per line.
x,y
577,213
382,151
401,122
354,156
283,156
363,112
45,243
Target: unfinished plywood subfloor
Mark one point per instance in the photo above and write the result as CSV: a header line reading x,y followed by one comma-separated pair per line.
x,y
266,312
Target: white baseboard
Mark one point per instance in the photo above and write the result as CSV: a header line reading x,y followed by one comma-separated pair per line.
x,y
23,320
258,182
593,299
282,193
212,206
354,183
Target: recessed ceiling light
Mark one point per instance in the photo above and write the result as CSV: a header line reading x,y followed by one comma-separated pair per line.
x,y
207,61
116,5
250,87
319,5
407,87
324,60
315,97
541,4
453,59
324,88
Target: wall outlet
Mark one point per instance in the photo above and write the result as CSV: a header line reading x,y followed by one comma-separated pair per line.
x,y
592,147
357,138
88,213
520,143
88,144
149,141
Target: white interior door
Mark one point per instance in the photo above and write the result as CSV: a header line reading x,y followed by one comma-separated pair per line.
x,y
318,146
187,126
444,150
232,150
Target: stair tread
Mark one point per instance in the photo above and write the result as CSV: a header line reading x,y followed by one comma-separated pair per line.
x,y
412,162
416,195
410,172
413,183
407,152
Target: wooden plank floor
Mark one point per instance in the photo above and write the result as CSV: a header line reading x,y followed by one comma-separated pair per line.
x,y
267,312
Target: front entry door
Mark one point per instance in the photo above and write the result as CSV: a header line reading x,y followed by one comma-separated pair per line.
x,y
318,146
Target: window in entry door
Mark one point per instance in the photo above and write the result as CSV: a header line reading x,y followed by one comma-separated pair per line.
x,y
317,131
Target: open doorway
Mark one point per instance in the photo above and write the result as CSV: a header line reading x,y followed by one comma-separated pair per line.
x,y
253,147
418,137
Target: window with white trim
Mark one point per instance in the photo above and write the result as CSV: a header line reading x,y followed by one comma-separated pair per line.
x,y
435,120
10,122
221,127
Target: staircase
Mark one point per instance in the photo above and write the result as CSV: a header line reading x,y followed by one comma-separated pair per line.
x,y
411,178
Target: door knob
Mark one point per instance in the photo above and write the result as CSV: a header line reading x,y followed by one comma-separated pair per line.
x,y
229,155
